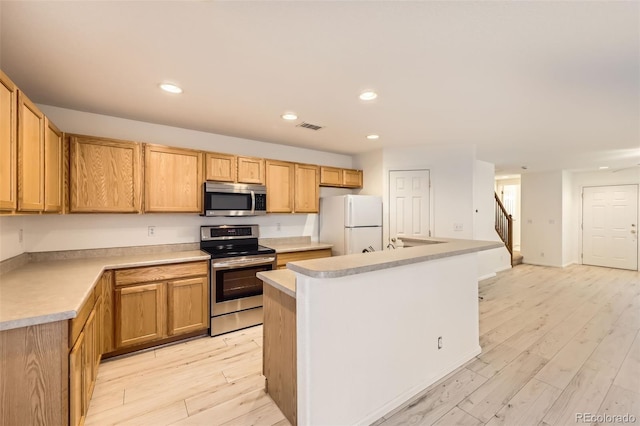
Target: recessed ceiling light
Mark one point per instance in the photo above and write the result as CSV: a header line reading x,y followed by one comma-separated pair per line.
x,y
368,96
289,116
603,167
171,88
373,137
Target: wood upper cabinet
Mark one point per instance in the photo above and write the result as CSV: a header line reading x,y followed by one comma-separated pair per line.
x,y
352,178
105,175
8,143
307,188
188,305
340,178
173,179
330,176
30,155
53,144
280,178
220,167
251,170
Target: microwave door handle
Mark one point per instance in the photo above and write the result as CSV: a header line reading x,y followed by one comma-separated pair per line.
x,y
253,202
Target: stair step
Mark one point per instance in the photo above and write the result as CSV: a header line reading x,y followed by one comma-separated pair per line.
x,y
516,258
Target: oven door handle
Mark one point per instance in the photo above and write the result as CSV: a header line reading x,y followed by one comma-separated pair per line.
x,y
242,263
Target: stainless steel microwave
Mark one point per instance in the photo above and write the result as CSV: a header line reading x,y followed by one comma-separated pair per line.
x,y
233,199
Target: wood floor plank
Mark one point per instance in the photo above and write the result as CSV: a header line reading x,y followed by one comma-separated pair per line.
x,y
265,415
458,417
492,395
629,375
528,406
220,394
620,402
228,410
437,401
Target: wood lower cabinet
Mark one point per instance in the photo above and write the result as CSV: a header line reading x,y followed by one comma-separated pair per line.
x,y
105,175
280,178
279,351
85,336
159,302
251,170
307,189
173,179
188,304
140,314
283,258
8,144
30,155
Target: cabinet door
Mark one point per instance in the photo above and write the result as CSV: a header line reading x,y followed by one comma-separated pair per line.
x,y
140,315
105,175
97,338
88,359
307,189
108,307
330,176
280,186
188,303
76,382
220,167
52,167
251,170
352,178
8,144
30,155
173,179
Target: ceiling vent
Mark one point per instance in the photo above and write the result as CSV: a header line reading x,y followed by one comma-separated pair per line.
x,y
309,126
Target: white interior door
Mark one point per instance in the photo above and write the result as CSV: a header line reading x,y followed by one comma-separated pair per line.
x,y
409,204
610,226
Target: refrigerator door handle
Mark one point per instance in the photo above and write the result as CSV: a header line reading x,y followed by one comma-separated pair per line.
x,y
349,220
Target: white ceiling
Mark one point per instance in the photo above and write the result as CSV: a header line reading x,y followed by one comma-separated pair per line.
x,y
549,85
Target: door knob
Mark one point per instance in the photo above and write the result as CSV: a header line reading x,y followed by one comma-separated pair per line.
x,y
393,240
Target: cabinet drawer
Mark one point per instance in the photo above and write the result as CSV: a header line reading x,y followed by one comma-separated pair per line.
x,y
160,272
283,258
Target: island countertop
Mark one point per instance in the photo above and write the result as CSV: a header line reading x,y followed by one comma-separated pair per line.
x,y
433,248
43,292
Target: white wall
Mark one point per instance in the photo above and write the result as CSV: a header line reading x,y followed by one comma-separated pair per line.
x,y
494,260
348,374
10,244
451,172
568,226
596,178
372,165
84,231
541,229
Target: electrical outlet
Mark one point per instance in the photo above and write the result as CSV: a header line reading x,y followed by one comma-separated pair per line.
x,y
152,231
278,227
541,254
439,342
20,235
458,227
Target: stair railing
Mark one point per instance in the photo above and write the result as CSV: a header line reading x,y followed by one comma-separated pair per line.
x,y
504,226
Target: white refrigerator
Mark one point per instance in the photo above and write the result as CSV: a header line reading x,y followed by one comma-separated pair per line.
x,y
352,223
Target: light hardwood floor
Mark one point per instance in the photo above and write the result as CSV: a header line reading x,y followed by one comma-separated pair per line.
x,y
555,342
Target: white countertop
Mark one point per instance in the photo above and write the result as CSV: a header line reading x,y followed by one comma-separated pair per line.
x,y
340,266
43,292
282,279
293,244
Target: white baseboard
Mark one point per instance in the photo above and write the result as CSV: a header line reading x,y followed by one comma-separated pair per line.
x,y
506,268
487,276
407,395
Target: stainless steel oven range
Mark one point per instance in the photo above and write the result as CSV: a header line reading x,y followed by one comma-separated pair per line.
x,y
236,292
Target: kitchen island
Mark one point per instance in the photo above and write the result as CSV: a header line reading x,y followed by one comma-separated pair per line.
x,y
348,339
